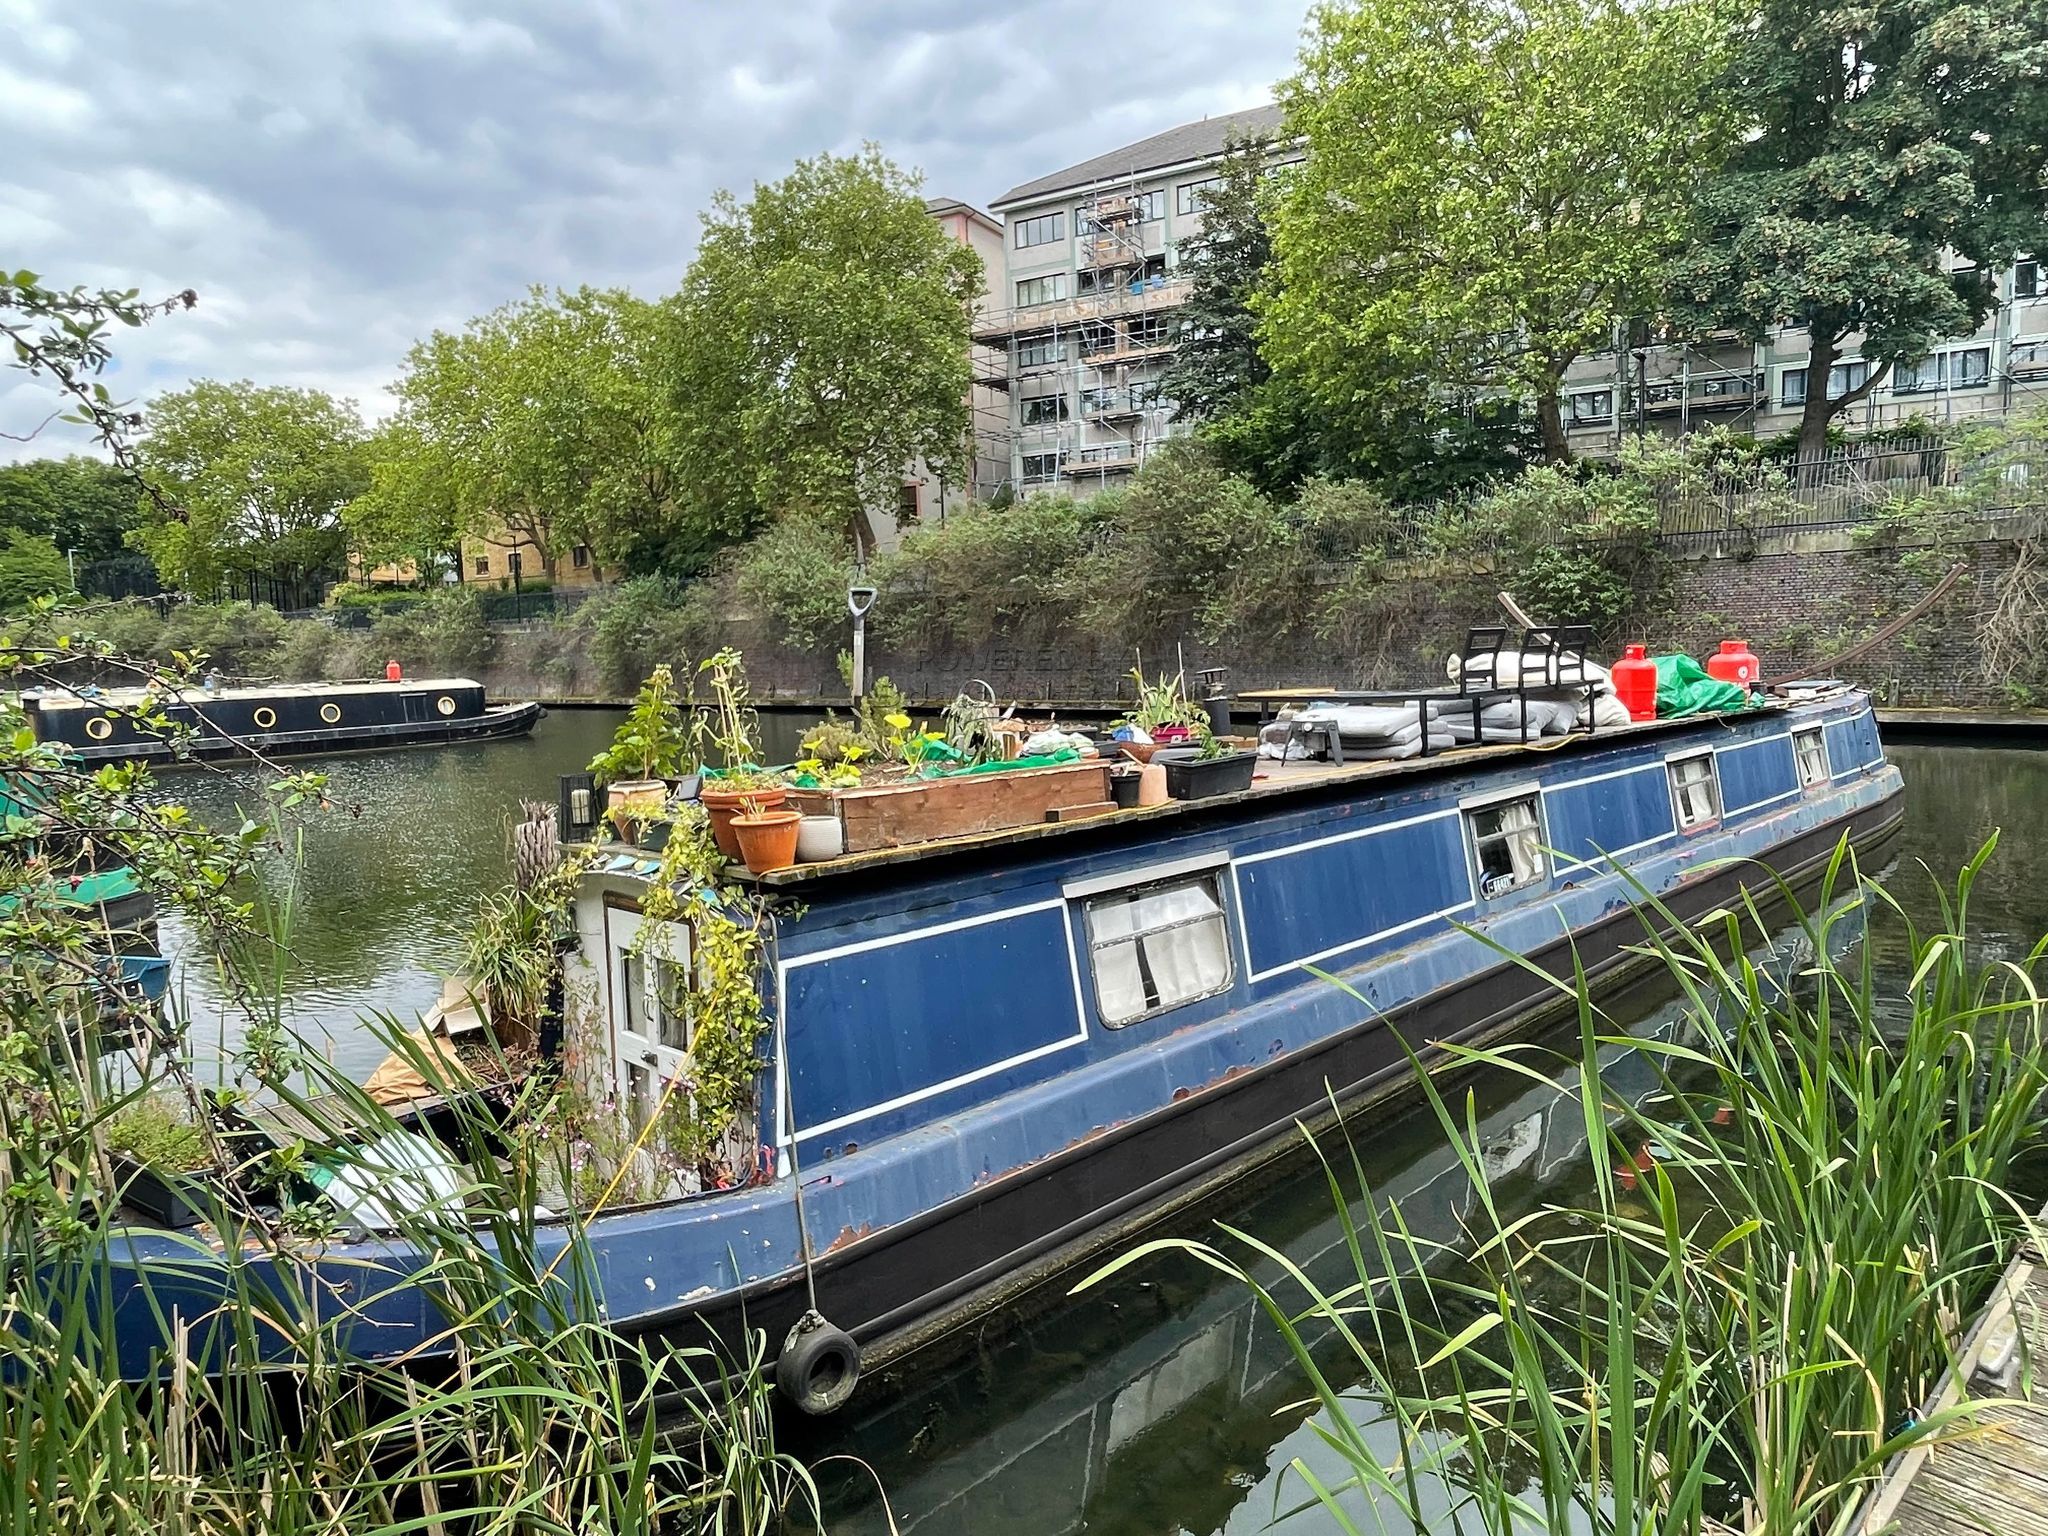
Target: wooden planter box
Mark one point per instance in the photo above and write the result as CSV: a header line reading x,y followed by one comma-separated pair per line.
x,y
921,810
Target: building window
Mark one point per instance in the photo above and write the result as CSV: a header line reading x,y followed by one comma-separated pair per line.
x,y
2029,357
906,504
1193,196
1049,289
2026,279
1842,378
1695,792
481,565
580,557
1157,946
1041,468
1810,750
1150,205
1097,339
1966,368
1037,351
1042,230
1150,330
1507,845
1044,409
1592,405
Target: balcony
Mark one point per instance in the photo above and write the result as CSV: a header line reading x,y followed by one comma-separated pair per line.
x,y
2029,360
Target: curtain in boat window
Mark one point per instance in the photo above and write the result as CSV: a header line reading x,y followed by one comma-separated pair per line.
x,y
1508,841
1157,946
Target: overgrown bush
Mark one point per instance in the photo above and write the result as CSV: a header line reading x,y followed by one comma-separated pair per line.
x,y
633,628
797,573
967,580
446,633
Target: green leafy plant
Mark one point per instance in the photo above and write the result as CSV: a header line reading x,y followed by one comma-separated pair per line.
x,y
656,739
158,1132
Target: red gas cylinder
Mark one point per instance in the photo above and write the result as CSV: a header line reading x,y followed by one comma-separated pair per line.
x,y
1736,663
1635,683
393,672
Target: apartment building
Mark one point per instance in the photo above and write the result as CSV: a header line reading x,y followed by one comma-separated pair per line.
x,y
1083,321
1762,388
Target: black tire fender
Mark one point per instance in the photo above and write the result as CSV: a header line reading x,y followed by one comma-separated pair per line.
x,y
819,1366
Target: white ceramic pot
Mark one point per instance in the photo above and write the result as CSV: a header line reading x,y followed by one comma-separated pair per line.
x,y
819,838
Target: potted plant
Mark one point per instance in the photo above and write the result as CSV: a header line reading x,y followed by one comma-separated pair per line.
x,y
767,835
1210,768
741,782
650,746
156,1153
1164,713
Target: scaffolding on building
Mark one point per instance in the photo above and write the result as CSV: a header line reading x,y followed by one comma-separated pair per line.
x,y
1081,370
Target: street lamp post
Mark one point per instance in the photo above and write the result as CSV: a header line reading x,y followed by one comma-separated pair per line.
x,y
858,601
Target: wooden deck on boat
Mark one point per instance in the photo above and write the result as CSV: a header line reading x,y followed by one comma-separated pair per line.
x,y
1273,778
1993,1477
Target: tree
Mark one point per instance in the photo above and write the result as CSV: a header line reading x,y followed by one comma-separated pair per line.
x,y
551,421
30,567
261,475
823,345
1878,136
1487,187
82,505
1218,361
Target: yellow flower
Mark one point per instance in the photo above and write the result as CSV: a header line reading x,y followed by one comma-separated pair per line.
x,y
899,722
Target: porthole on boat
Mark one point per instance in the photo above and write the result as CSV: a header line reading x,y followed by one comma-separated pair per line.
x,y
331,713
819,1366
265,717
445,704
99,727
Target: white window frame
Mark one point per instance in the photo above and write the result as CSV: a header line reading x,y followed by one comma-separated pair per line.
x,y
1471,806
1188,199
1034,231
1210,870
1671,766
1055,285
1818,735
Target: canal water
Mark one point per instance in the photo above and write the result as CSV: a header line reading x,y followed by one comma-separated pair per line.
x,y
1161,1402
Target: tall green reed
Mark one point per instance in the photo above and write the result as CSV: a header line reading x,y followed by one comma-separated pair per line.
x,y
527,1414
1745,1336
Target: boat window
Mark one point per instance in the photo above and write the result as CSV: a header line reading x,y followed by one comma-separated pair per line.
x,y
1695,794
672,1004
632,992
1507,842
1811,749
1157,946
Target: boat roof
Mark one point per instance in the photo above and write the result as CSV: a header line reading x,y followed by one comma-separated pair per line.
x,y
1278,780
125,698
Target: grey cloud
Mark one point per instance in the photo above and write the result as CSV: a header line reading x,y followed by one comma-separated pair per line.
x,y
338,180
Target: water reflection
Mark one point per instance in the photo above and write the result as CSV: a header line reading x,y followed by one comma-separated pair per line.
x,y
389,878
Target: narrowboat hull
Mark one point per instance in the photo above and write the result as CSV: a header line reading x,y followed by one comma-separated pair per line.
x,y
971,1087
295,720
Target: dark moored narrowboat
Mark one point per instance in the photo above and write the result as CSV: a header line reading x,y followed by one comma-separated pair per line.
x,y
992,1056
281,720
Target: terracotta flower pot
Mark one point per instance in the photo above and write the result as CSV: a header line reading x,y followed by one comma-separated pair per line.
x,y
722,805
632,801
768,841
1138,751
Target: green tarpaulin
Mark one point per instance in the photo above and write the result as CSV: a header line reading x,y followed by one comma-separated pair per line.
x,y
1683,688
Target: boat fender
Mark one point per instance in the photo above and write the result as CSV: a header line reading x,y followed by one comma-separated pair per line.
x,y
819,1366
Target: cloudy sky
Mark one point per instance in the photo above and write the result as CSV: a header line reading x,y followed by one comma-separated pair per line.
x,y
338,177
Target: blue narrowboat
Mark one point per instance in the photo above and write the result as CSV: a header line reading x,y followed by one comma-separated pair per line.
x,y
993,1056
105,725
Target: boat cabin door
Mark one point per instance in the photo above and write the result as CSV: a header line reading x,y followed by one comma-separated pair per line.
x,y
647,999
